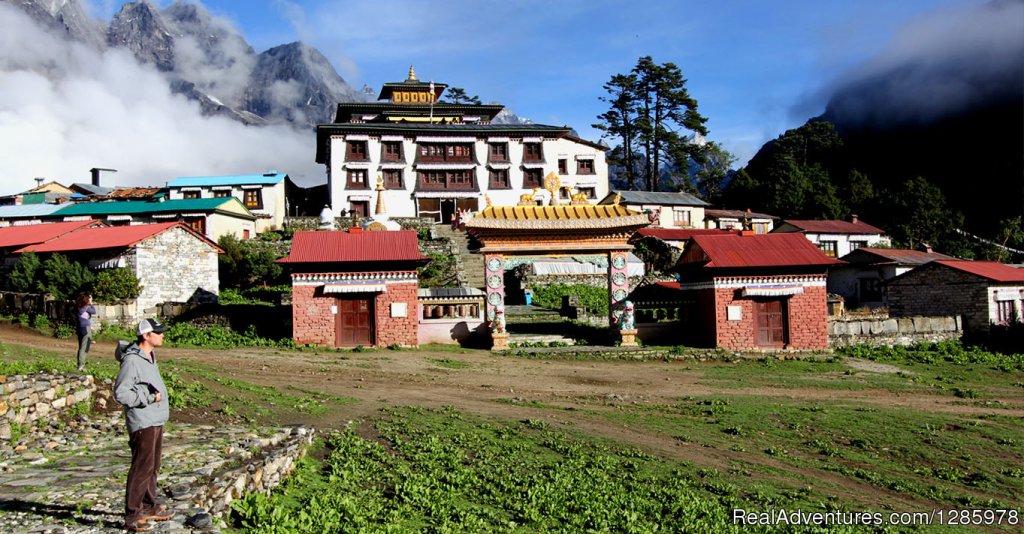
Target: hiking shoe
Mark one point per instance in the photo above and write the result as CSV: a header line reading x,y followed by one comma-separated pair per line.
x,y
162,513
139,525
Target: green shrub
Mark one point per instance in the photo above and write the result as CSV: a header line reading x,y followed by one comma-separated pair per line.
x,y
63,278
63,331
254,295
187,334
23,274
116,286
440,272
40,321
594,299
251,263
112,331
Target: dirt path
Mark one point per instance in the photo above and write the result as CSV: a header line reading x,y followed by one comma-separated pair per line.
x,y
505,387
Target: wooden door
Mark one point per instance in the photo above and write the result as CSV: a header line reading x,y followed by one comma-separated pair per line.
x,y
354,322
771,323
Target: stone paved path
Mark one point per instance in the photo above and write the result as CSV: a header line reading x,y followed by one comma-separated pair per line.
x,y
70,478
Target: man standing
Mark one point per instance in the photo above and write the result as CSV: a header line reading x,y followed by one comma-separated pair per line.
x,y
141,390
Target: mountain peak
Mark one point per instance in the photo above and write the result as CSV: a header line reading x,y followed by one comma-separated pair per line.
x,y
65,17
139,27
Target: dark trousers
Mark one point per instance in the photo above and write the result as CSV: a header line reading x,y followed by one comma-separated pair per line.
x,y
140,496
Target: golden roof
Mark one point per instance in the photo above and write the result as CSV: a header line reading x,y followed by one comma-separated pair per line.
x,y
557,217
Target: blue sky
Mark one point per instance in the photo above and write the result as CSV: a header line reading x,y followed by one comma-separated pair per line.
x,y
756,68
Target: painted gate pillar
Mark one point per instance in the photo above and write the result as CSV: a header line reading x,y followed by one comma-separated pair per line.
x,y
494,279
620,310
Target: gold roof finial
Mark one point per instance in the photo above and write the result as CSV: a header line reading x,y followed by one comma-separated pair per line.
x,y
487,198
618,197
412,74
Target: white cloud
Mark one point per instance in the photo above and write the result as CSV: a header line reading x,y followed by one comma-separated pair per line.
x,y
67,108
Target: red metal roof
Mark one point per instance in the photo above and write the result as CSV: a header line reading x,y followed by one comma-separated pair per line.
x,y
109,237
19,236
340,246
992,270
763,250
679,234
835,227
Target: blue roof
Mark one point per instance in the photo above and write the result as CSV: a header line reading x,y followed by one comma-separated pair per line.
x,y
29,210
267,178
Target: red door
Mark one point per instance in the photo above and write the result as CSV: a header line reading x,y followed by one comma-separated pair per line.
x,y
771,323
354,323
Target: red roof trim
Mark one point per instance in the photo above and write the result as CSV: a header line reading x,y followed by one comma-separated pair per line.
x,y
834,227
111,237
31,234
991,270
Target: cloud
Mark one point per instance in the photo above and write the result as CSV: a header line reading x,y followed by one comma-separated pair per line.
x,y
941,63
67,108
220,65
296,16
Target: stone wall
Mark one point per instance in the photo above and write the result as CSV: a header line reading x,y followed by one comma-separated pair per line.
x,y
63,311
888,331
27,398
256,474
175,266
933,290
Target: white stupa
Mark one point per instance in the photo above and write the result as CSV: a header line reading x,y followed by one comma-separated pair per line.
x,y
380,220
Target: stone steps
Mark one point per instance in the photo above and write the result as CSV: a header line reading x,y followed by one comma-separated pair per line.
x,y
538,339
470,264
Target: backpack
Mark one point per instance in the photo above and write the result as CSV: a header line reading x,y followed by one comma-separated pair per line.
x,y
119,349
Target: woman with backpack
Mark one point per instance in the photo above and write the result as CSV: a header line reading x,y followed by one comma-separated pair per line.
x,y
85,311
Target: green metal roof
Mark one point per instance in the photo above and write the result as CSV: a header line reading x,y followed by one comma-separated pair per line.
x,y
130,207
267,178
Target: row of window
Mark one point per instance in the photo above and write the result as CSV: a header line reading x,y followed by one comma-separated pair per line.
x,y
252,198
461,153
455,179
831,248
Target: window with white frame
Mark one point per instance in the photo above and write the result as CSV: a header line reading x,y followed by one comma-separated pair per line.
x,y
1006,312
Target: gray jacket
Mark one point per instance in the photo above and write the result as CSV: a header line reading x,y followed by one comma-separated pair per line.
x,y
136,387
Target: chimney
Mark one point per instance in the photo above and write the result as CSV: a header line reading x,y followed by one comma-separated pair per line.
x,y
853,217
95,172
39,181
927,248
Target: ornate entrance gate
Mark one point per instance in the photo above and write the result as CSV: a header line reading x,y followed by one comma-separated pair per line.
x,y
531,230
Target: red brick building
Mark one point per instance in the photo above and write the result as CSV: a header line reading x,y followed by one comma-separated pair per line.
x,y
353,288
755,291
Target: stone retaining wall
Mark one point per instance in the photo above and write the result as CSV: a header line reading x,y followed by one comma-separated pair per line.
x,y
889,331
63,311
260,473
27,398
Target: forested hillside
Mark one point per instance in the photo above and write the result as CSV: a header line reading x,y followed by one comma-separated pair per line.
x,y
925,140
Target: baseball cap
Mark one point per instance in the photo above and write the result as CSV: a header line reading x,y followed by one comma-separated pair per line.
x,y
150,325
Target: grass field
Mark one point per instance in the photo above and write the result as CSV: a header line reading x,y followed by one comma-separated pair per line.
x,y
880,430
